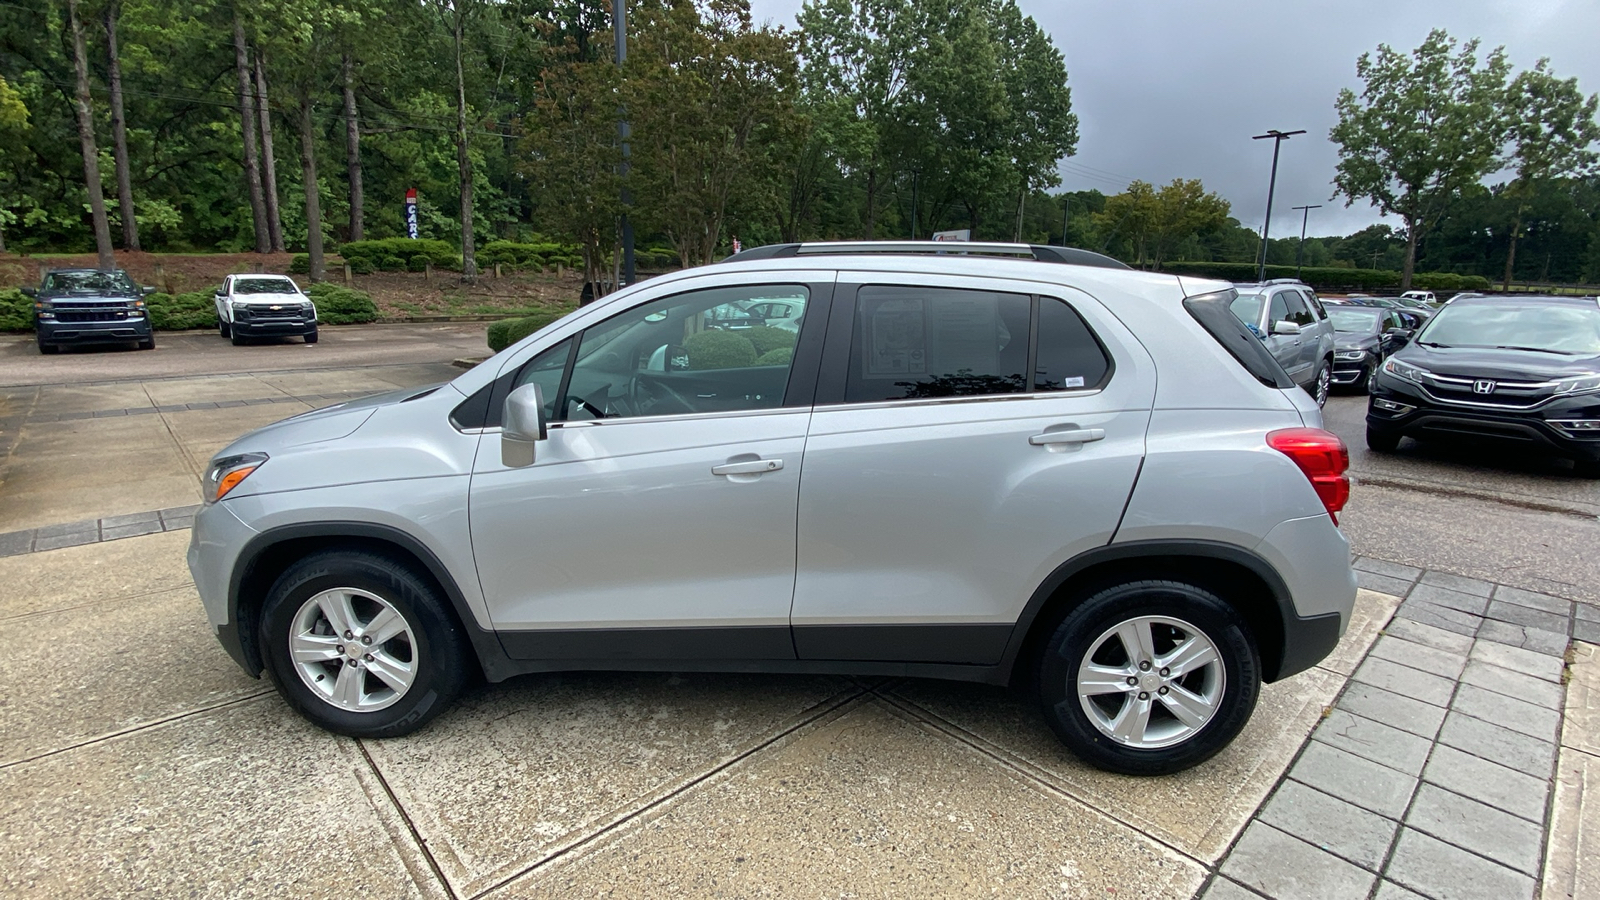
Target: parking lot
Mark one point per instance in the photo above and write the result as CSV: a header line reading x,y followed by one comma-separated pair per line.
x,y
1441,750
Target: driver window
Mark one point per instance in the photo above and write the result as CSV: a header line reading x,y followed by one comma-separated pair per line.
x,y
696,352
1280,310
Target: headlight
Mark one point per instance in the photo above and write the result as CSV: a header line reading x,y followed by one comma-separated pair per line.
x,y
44,310
226,473
1404,371
1350,354
1582,385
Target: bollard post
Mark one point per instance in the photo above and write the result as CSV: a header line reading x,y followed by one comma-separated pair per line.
x,y
427,272
348,275
161,279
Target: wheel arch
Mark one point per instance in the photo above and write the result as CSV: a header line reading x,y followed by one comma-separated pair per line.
x,y
270,553
1241,578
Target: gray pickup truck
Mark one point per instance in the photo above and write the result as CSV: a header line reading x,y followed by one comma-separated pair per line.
x,y
87,306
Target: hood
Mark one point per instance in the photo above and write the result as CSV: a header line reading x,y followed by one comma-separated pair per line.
x,y
1504,365
327,424
87,297
1350,340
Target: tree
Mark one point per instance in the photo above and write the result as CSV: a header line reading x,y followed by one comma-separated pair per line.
x,y
352,137
1184,209
119,131
84,109
1423,127
247,131
269,159
1552,132
13,128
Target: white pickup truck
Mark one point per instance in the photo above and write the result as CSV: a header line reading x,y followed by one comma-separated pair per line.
x,y
264,306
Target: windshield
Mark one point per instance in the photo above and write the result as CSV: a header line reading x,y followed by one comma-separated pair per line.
x,y
1565,328
89,283
264,286
1248,308
1355,321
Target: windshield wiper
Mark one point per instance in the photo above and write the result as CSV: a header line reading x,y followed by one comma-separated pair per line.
x,y
1535,350
1433,344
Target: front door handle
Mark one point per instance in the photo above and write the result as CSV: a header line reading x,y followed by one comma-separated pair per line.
x,y
748,467
1074,436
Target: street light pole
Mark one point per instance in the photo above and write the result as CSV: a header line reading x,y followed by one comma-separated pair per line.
x,y
1300,248
619,16
1278,137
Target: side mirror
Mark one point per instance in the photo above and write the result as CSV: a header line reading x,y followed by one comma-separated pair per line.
x,y
523,426
31,292
1400,334
147,291
1284,326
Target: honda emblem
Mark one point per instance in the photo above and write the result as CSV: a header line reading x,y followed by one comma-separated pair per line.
x,y
1483,386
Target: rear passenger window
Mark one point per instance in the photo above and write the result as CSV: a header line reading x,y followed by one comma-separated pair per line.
x,y
1316,304
1069,357
913,342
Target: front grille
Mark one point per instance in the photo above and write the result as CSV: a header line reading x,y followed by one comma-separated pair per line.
x,y
263,312
90,312
1459,391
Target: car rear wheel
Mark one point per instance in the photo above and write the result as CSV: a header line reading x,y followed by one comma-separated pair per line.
x,y
361,645
1382,441
1149,677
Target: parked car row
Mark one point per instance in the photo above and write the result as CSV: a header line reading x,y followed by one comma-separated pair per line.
x,y
75,307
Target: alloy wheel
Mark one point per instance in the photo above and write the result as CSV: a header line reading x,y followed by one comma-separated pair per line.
x,y
353,649
1151,682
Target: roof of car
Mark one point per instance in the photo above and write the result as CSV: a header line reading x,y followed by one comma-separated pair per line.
x,y
1039,252
1487,299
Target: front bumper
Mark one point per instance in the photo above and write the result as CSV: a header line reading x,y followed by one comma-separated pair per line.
x,y
1428,419
215,542
117,331
1351,371
273,327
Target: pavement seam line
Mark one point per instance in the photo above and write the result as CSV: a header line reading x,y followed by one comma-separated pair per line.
x,y
123,598
141,378
822,710
956,733
145,726
411,827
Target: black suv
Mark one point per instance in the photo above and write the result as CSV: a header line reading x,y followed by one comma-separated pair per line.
x,y
1522,370
87,306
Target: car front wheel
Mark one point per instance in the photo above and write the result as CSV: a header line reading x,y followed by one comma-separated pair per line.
x,y
1149,677
1382,441
222,328
1319,386
361,645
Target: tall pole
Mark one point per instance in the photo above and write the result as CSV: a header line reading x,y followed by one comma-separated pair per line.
x,y
1066,210
619,15
1278,137
1300,248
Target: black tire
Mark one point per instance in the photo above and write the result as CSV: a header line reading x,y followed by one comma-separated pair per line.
x,y
311,336
1363,385
1321,383
1586,468
48,349
1194,608
147,344
238,339
437,650
1382,441
222,328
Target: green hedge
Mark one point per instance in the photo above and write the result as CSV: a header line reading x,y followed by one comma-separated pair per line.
x,y
341,305
506,332
181,312
1333,279
300,264
16,311
440,253
719,350
767,339
779,357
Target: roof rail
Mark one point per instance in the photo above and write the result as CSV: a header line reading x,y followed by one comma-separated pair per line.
x,y
1040,252
1282,281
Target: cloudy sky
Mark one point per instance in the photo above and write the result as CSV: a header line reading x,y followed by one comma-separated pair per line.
x,y
1166,89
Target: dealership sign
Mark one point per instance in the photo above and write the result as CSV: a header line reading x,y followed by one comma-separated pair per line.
x,y
411,213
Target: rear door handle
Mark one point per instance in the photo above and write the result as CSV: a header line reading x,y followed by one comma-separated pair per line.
x,y
749,467
1074,436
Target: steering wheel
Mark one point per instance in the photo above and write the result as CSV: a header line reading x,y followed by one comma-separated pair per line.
x,y
649,392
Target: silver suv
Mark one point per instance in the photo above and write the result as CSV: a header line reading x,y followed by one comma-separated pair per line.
x,y
1004,464
1290,320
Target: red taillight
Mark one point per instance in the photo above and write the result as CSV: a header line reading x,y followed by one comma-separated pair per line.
x,y
1323,457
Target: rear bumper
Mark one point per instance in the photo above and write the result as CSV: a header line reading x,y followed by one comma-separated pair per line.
x,y
119,331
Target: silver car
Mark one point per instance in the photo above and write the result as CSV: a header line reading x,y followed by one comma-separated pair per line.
x,y
1006,464
1290,320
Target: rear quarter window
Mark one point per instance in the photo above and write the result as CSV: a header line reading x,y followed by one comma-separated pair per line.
x,y
1213,313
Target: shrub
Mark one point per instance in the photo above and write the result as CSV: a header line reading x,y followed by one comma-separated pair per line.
x,y
300,264
181,312
16,311
1333,279
778,357
767,339
360,266
719,350
506,332
441,252
341,305
394,263
512,253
